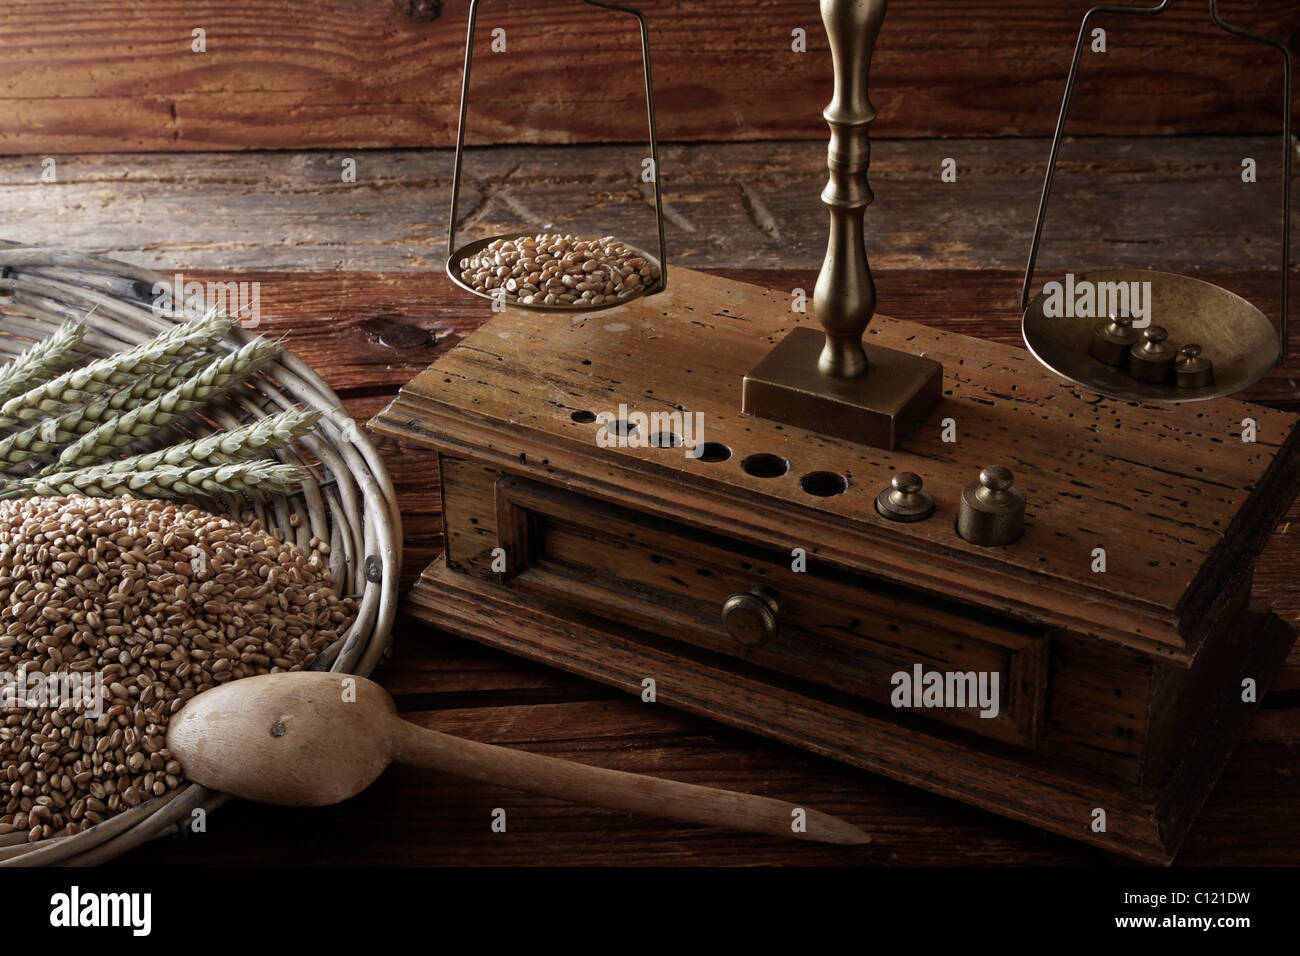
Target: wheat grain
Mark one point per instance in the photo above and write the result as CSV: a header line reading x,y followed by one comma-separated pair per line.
x,y
79,579
563,270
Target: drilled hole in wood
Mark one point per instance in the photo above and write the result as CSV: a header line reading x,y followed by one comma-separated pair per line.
x,y
666,440
620,427
711,451
824,484
764,465
583,418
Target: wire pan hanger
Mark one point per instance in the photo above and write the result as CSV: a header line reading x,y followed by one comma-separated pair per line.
x,y
454,254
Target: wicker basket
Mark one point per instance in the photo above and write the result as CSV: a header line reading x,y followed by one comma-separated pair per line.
x,y
348,500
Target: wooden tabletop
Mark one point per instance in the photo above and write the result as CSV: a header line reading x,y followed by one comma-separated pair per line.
x,y
358,294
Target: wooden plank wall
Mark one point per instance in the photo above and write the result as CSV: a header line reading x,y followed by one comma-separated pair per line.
x,y
121,75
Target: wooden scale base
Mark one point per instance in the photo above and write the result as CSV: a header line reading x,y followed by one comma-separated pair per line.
x,y
1121,691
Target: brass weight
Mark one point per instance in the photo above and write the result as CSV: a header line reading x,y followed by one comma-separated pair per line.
x,y
905,499
992,510
1112,339
1193,370
1151,360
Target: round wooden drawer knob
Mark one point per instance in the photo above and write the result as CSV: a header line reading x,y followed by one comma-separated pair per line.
x,y
751,618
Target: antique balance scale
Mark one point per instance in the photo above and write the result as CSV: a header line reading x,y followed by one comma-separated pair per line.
x,y
826,539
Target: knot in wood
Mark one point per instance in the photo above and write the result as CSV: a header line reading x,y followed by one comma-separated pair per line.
x,y
421,11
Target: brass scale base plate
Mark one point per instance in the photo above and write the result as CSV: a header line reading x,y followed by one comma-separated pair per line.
x,y
877,408
516,397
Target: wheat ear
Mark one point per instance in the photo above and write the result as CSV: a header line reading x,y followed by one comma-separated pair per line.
x,y
122,368
41,362
220,448
53,433
240,478
147,418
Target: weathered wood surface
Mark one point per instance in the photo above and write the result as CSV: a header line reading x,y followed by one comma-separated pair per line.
x,y
1119,202
122,74
368,335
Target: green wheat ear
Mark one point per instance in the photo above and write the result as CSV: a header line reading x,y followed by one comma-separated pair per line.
x,y
53,433
220,448
164,481
41,362
88,414
122,368
195,392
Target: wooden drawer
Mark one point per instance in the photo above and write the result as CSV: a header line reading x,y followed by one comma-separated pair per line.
x,y
843,631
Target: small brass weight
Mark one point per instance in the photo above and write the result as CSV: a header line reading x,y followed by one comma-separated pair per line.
x,y
992,511
1112,339
1151,359
831,382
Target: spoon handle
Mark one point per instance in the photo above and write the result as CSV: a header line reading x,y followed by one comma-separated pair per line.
x,y
613,789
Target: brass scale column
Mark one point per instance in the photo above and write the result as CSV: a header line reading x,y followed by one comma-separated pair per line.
x,y
832,382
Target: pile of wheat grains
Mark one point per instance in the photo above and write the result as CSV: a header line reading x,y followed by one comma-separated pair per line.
x,y
154,601
559,269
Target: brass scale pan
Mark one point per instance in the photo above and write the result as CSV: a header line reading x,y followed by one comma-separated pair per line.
x,y
1235,335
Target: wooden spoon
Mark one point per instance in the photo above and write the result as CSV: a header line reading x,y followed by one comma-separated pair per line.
x,y
312,739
